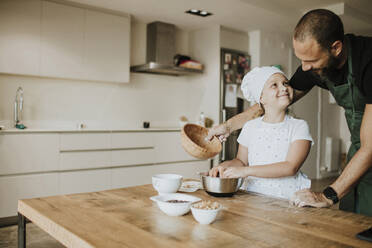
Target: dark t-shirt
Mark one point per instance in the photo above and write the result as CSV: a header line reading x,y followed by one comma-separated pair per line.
x,y
361,53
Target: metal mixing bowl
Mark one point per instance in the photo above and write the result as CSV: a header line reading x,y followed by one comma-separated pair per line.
x,y
220,187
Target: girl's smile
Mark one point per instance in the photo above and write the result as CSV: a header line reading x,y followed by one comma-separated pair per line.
x,y
277,92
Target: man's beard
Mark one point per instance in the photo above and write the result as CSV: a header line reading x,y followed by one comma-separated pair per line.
x,y
330,70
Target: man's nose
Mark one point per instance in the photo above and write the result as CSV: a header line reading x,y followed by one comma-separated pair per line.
x,y
306,66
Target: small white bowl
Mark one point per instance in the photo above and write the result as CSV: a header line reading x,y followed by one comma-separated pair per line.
x,y
166,183
205,216
175,209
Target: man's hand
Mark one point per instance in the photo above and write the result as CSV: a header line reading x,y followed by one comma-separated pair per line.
x,y
221,132
306,198
235,172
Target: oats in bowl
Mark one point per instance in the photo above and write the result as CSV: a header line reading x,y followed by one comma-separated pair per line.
x,y
207,205
205,212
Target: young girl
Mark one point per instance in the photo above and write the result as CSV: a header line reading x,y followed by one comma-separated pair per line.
x,y
273,147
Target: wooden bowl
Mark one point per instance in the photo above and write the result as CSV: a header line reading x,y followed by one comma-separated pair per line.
x,y
193,141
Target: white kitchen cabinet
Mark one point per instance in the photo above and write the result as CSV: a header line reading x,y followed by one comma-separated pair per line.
x,y
106,47
168,148
132,139
132,157
186,169
20,28
130,148
84,150
13,188
75,160
131,176
84,141
79,43
29,152
62,40
84,181
139,175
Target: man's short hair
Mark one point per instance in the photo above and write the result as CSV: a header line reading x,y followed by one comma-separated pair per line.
x,y
321,24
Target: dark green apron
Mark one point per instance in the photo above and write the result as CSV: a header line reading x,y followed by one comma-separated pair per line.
x,y
359,199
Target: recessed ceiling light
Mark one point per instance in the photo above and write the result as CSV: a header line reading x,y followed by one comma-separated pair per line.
x,y
197,12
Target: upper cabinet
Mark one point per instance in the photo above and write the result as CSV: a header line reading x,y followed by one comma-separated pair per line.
x,y
20,27
45,38
62,40
106,47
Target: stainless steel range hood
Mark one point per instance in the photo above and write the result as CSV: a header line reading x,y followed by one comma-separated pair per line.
x,y
160,52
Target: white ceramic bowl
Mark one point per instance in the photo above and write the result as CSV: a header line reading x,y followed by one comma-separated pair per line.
x,y
174,209
166,183
205,216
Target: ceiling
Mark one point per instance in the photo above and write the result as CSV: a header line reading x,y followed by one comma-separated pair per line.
x,y
243,15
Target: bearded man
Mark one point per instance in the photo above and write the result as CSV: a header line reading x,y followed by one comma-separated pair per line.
x,y
341,64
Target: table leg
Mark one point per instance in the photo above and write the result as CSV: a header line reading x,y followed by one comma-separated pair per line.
x,y
21,231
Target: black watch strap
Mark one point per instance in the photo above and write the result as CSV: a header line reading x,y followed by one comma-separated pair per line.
x,y
331,194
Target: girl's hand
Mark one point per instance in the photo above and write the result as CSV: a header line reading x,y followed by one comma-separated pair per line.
x,y
215,171
235,171
219,170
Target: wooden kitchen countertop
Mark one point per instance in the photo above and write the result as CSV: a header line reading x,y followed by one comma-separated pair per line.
x,y
128,218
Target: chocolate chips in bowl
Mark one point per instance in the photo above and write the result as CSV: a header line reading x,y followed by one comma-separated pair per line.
x,y
177,201
175,204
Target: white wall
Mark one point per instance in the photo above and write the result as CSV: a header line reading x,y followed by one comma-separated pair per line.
x,y
234,39
270,48
205,44
155,98
255,47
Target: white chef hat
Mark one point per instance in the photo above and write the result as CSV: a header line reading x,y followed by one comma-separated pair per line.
x,y
254,81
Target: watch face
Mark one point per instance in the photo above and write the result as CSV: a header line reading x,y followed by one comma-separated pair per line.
x,y
331,194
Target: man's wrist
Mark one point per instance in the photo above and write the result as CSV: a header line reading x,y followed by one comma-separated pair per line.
x,y
331,195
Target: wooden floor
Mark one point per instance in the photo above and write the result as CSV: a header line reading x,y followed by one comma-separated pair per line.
x,y
37,238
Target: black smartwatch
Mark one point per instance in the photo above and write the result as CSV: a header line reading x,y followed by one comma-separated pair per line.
x,y
331,194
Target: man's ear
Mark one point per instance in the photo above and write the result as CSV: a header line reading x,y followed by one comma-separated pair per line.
x,y
336,48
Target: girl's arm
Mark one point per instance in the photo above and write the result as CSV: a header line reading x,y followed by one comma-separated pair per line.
x,y
236,122
297,153
241,160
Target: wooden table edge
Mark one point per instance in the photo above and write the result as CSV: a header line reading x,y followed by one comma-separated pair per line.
x,y
59,233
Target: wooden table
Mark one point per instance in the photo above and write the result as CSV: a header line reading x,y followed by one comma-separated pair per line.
x,y
128,218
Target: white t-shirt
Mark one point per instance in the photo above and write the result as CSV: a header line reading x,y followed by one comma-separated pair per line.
x,y
268,143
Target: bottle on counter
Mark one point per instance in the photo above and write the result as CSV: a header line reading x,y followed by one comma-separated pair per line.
x,y
202,119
